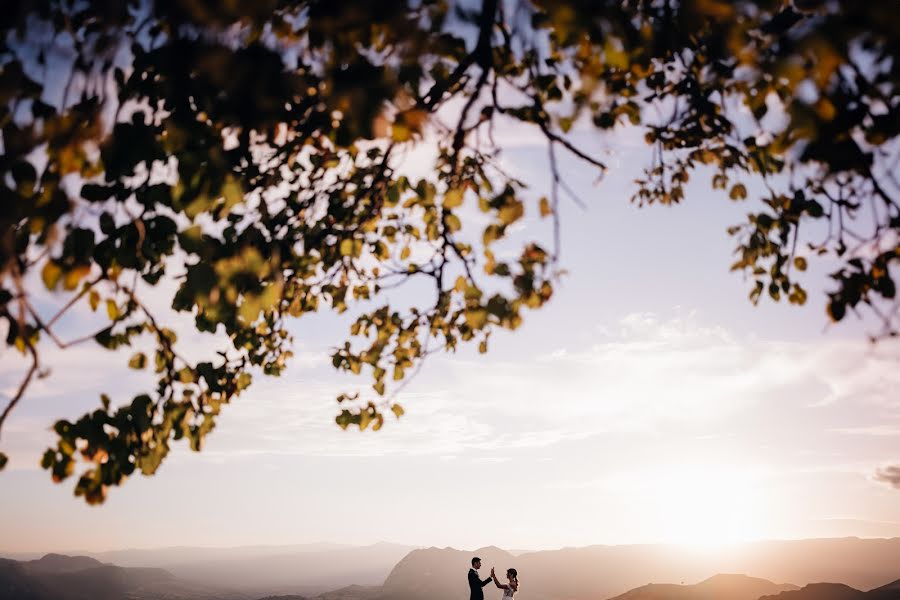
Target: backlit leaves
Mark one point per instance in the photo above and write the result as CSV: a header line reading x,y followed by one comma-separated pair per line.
x,y
252,155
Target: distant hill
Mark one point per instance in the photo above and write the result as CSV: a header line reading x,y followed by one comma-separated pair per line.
x,y
890,591
306,569
839,591
821,591
59,577
16,584
59,563
591,573
161,557
607,571
352,592
718,587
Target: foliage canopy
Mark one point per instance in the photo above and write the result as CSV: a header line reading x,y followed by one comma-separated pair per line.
x,y
249,150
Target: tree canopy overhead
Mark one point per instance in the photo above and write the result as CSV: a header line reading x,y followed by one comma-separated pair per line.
x,y
248,151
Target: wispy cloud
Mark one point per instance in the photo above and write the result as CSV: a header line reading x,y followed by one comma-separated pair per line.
x,y
644,374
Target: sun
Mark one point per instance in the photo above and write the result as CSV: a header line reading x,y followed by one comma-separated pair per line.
x,y
701,506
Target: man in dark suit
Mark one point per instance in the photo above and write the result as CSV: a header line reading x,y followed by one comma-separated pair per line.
x,y
475,582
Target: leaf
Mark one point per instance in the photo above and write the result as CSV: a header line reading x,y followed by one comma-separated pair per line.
x,y
511,212
397,410
51,274
492,233
476,318
800,263
836,310
96,193
112,310
545,208
93,300
738,192
453,223
73,276
138,361
346,247
453,198
401,133
232,193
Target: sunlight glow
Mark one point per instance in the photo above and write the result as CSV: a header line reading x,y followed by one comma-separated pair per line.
x,y
708,506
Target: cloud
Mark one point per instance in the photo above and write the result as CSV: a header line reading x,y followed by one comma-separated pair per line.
x,y
871,430
648,375
889,475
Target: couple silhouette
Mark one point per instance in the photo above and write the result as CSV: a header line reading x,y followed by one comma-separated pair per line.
x,y
476,583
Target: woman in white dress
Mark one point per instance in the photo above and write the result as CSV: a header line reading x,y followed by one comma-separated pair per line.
x,y
509,589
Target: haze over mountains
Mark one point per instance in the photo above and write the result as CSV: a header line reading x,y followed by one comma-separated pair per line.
x,y
857,569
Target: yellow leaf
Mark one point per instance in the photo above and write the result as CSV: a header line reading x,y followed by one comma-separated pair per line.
x,y
401,133
404,254
51,274
453,223
232,193
825,109
138,361
546,211
615,56
112,310
250,308
70,281
492,233
476,318
346,247
511,212
398,410
453,198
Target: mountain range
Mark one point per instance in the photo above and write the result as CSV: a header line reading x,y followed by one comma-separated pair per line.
x,y
58,577
607,571
858,568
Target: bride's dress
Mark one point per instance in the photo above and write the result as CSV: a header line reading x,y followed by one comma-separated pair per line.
x,y
508,593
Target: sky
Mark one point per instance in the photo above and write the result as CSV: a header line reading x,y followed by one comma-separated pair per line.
x,y
648,402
